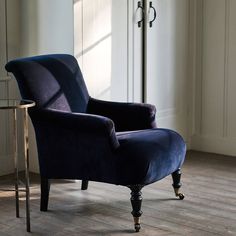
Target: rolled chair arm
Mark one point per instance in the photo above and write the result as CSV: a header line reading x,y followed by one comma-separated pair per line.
x,y
126,116
76,122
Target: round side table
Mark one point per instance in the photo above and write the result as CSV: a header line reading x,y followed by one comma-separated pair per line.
x,y
14,104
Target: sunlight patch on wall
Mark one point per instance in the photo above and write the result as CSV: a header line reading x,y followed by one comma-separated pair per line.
x,y
93,44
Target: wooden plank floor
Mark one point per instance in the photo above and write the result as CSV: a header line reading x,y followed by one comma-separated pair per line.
x,y
209,184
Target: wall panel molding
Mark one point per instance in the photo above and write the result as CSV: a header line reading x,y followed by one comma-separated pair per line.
x,y
168,112
230,95
5,154
3,38
8,50
194,66
226,69
214,144
214,114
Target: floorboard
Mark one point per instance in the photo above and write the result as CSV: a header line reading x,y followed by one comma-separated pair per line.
x,y
209,208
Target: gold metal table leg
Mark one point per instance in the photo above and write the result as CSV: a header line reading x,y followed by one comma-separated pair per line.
x,y
16,171
26,155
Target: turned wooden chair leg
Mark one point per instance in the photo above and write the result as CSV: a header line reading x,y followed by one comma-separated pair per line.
x,y
136,202
176,176
84,184
45,188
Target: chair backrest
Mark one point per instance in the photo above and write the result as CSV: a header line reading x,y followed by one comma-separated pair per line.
x,y
52,81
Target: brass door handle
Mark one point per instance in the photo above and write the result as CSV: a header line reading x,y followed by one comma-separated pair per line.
x,y
154,12
143,14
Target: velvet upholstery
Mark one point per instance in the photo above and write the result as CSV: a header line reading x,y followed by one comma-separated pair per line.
x,y
79,137
126,116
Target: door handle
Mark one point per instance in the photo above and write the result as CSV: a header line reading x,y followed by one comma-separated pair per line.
x,y
143,14
154,12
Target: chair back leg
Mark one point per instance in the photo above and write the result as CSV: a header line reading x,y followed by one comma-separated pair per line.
x,y
45,188
84,184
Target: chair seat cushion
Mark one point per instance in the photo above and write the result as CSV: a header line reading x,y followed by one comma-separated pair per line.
x,y
146,156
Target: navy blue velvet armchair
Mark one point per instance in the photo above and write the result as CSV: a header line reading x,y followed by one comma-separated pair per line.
x,y
79,137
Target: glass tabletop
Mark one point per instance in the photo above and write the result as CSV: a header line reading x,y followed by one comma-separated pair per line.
x,y
15,103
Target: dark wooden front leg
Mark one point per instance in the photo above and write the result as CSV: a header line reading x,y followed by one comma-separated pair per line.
x,y
84,185
176,176
136,202
45,188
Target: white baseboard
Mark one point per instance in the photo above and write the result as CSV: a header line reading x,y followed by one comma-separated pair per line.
x,y
224,146
7,164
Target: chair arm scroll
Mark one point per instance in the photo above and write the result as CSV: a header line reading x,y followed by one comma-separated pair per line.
x,y
76,122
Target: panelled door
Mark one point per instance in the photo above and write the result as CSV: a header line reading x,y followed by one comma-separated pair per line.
x,y
166,62
215,126
109,46
101,46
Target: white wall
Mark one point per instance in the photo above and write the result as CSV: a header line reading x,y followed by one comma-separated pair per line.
x,y
9,48
46,27
3,39
29,28
5,159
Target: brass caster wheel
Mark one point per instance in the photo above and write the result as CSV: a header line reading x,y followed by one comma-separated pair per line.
x,y
137,227
178,194
181,196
